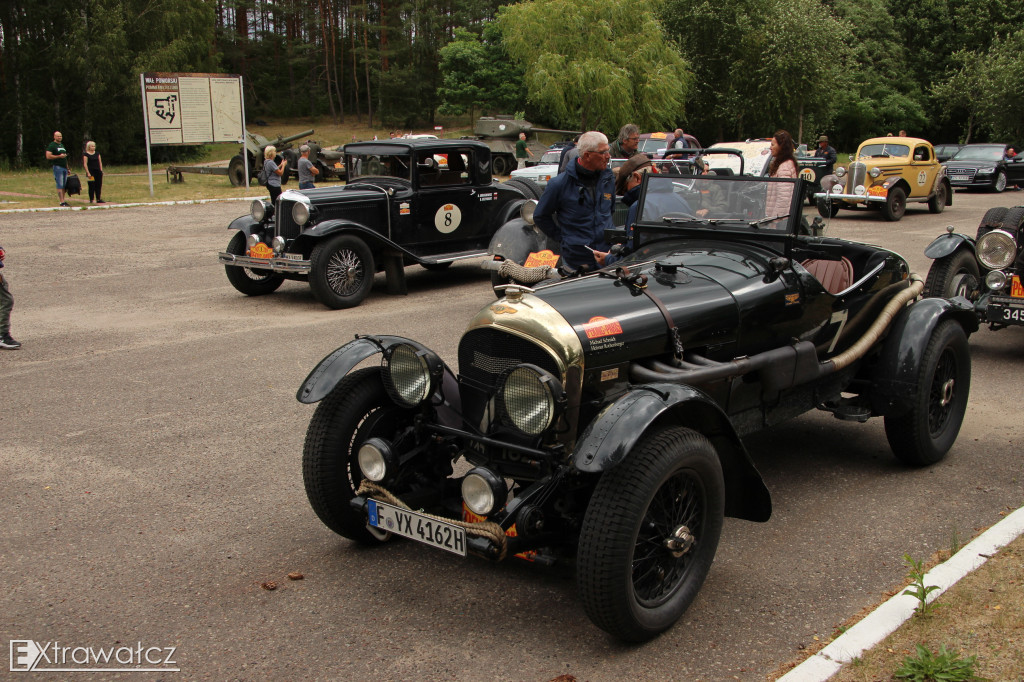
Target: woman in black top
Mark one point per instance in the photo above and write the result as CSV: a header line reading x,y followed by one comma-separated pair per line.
x,y
93,164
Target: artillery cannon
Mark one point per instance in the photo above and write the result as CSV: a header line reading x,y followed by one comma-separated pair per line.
x,y
254,146
500,133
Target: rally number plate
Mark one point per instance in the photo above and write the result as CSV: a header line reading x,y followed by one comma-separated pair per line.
x,y
416,526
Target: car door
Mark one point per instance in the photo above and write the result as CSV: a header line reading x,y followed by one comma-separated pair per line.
x,y
451,213
925,168
1015,170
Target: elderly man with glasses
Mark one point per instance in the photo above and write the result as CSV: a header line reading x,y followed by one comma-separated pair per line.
x,y
582,199
626,145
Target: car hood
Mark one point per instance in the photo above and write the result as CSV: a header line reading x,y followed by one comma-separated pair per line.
x,y
971,163
344,193
616,322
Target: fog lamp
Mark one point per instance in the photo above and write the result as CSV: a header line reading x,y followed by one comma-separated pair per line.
x,y
995,280
483,491
252,240
997,249
837,189
376,459
860,190
277,243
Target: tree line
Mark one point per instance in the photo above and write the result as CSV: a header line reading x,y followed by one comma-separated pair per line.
x,y
722,69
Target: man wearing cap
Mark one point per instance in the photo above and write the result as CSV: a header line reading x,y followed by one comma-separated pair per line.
x,y
824,151
306,169
582,199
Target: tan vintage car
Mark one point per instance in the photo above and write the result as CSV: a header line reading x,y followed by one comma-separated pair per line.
x,y
887,173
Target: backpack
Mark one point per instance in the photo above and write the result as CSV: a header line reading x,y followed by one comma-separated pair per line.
x,y
263,176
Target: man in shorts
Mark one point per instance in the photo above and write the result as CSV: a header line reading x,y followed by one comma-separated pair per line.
x,y
57,154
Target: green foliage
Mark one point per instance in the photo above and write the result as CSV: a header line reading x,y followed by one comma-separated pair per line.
x,y
945,666
477,74
606,64
917,587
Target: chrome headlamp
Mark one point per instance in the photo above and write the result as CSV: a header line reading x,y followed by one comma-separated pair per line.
x,y
376,459
526,210
301,211
875,172
995,280
483,491
252,240
530,398
260,210
410,373
840,172
997,250
277,244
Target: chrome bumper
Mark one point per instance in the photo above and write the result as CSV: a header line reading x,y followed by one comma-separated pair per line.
x,y
849,197
276,264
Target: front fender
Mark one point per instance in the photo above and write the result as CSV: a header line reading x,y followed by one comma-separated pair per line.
x,y
616,431
245,225
947,244
517,239
899,365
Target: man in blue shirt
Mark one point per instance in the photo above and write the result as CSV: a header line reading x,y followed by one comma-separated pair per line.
x,y
577,205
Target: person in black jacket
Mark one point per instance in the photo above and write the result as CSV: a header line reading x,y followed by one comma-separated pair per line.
x,y
582,198
92,162
824,151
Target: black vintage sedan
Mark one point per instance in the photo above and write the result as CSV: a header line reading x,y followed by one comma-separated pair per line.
x,y
428,202
984,166
601,417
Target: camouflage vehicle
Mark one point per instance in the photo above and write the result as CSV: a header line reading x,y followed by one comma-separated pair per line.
x,y
500,134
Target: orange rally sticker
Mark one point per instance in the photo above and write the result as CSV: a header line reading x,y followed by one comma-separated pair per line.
x,y
539,258
597,327
878,191
1016,290
792,299
261,250
449,207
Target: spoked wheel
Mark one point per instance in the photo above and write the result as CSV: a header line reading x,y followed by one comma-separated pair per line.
x,y
341,271
357,409
650,534
954,275
925,433
251,282
895,204
1000,184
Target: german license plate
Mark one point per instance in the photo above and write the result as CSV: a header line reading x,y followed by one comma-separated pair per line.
x,y
416,526
293,256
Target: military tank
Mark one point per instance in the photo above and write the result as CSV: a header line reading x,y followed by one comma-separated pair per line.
x,y
500,134
254,146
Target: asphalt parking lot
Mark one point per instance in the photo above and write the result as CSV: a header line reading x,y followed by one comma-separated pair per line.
x,y
150,481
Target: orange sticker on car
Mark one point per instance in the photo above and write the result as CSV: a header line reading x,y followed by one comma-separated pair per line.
x,y
539,258
261,250
598,326
1016,290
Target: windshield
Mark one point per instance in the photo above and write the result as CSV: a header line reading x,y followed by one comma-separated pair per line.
x,y
883,150
978,154
755,156
651,145
720,202
378,165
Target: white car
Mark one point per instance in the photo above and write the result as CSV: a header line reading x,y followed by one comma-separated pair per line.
x,y
539,174
755,155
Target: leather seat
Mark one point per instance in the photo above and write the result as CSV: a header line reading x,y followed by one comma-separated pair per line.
x,y
834,275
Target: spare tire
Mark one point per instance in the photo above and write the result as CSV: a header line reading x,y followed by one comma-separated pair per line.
x,y
528,188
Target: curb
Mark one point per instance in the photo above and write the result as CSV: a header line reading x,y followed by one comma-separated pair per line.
x,y
884,620
94,207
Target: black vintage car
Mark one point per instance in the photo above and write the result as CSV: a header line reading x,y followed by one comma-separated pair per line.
x,y
987,270
430,202
984,166
601,418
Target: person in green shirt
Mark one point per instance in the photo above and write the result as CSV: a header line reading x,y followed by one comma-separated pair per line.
x,y
522,150
57,154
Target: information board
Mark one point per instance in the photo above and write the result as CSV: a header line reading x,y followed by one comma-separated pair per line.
x,y
193,108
